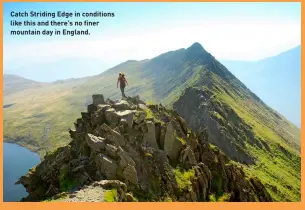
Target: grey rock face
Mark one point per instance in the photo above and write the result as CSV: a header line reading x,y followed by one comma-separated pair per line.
x,y
98,99
95,143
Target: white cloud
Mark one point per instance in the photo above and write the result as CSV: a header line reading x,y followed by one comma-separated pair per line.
x,y
237,40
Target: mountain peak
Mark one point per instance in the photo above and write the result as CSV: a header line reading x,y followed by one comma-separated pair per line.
x,y
197,48
196,44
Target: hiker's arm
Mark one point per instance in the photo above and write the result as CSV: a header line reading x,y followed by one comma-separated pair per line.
x,y
126,82
117,84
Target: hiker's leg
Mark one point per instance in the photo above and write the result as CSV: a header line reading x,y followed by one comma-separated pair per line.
x,y
122,91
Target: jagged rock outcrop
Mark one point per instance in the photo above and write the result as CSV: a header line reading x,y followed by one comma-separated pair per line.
x,y
144,152
200,109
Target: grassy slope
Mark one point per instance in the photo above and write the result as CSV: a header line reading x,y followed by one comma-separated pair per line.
x,y
13,83
280,172
278,169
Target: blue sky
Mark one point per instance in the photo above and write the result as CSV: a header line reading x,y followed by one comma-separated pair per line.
x,y
234,31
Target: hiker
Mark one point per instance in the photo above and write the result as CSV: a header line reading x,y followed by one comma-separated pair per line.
x,y
122,80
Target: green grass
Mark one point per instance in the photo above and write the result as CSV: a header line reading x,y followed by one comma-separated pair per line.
x,y
184,178
168,199
277,174
147,154
182,140
213,147
57,197
223,198
149,113
110,195
66,183
212,198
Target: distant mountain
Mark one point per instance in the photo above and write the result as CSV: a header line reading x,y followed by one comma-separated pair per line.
x,y
208,96
13,83
276,80
53,70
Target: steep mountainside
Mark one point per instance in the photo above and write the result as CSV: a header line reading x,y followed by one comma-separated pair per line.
x,y
277,80
127,151
198,87
244,128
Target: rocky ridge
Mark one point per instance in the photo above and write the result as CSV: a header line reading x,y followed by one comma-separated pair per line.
x,y
140,152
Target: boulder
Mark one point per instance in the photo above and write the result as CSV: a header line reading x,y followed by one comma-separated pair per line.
x,y
123,125
80,168
52,190
72,133
122,105
111,151
111,117
135,100
88,128
178,129
98,99
91,108
129,197
130,174
182,124
176,149
103,107
172,146
107,166
79,125
109,101
142,127
110,184
113,136
98,131
141,117
142,106
86,117
117,129
127,115
122,163
122,129
203,177
150,137
97,119
188,157
158,133
95,143
125,159
162,136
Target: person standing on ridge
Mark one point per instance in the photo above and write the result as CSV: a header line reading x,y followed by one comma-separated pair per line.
x,y
123,81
